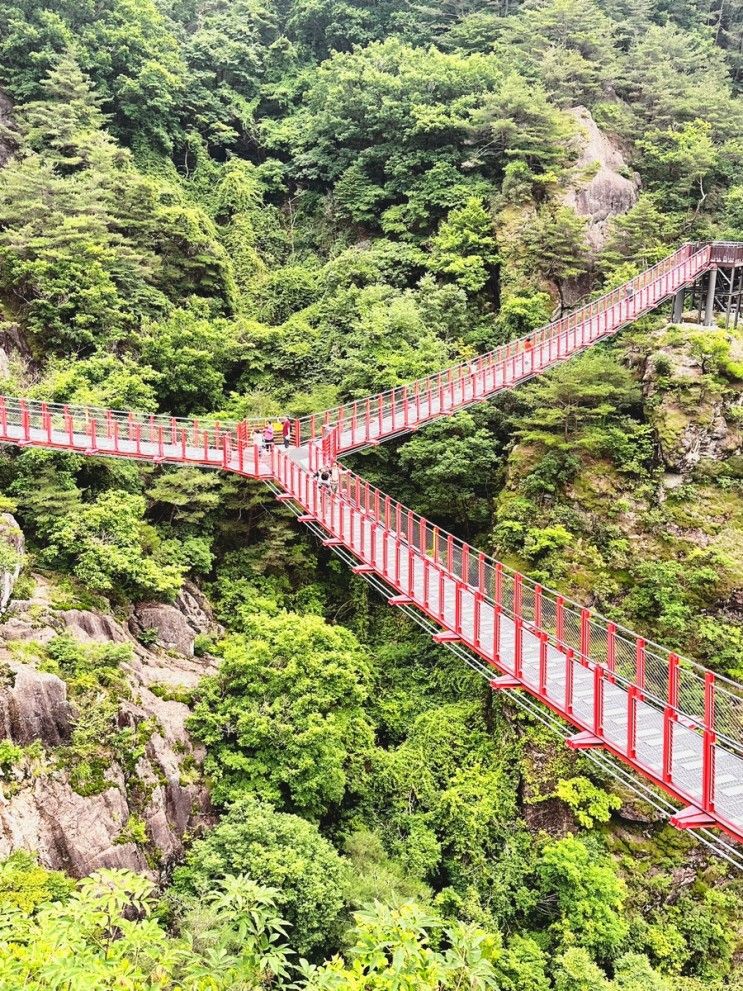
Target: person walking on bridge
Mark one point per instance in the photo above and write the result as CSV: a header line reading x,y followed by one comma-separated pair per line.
x,y
286,431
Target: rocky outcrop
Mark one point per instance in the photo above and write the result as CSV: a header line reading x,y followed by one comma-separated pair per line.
x,y
691,421
163,790
176,626
603,185
34,707
12,536
70,832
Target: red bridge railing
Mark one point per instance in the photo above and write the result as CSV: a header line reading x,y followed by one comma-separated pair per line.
x,y
663,714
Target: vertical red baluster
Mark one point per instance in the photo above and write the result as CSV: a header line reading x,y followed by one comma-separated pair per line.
x,y
138,437
543,665
380,417
417,402
426,585
632,722
466,564
498,584
116,435
450,552
560,619
518,652
160,443
174,430
598,701
496,632
93,446
3,416
709,741
669,716
640,665
184,445
367,420
457,607
25,420
476,639
225,449
481,573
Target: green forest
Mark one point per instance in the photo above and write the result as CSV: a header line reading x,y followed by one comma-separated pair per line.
x,y
255,208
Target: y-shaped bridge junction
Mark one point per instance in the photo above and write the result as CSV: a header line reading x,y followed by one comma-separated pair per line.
x,y
627,702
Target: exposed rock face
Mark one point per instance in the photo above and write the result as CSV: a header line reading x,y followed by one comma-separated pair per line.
x,y
175,626
35,707
691,423
81,833
12,535
69,832
601,188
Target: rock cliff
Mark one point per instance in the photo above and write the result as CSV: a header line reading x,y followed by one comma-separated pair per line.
x,y
152,793
602,185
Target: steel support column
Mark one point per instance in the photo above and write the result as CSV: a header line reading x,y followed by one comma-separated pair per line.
x,y
709,309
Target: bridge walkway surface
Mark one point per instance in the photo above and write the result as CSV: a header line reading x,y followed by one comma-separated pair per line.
x,y
668,719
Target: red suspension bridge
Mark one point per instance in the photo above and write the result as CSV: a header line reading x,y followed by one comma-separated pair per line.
x,y
627,702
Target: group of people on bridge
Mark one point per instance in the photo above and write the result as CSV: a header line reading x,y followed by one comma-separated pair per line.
x,y
264,437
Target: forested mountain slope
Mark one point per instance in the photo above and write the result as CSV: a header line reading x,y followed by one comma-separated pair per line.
x,y
247,208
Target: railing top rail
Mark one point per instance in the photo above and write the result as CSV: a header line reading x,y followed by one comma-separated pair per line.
x,y
687,251
570,604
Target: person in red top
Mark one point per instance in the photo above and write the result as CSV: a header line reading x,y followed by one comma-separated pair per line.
x,y
286,431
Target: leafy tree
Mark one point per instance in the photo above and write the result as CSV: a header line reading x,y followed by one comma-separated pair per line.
x,y
590,899
284,717
393,950
681,160
109,547
104,936
281,851
124,45
641,236
464,247
451,466
553,246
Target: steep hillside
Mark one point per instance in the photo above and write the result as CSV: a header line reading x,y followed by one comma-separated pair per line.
x,y
225,764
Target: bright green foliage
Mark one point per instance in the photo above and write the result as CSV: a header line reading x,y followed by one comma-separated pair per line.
x,y
553,246
25,885
391,951
464,247
590,897
284,716
104,937
590,804
108,546
278,850
451,467
125,48
642,236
